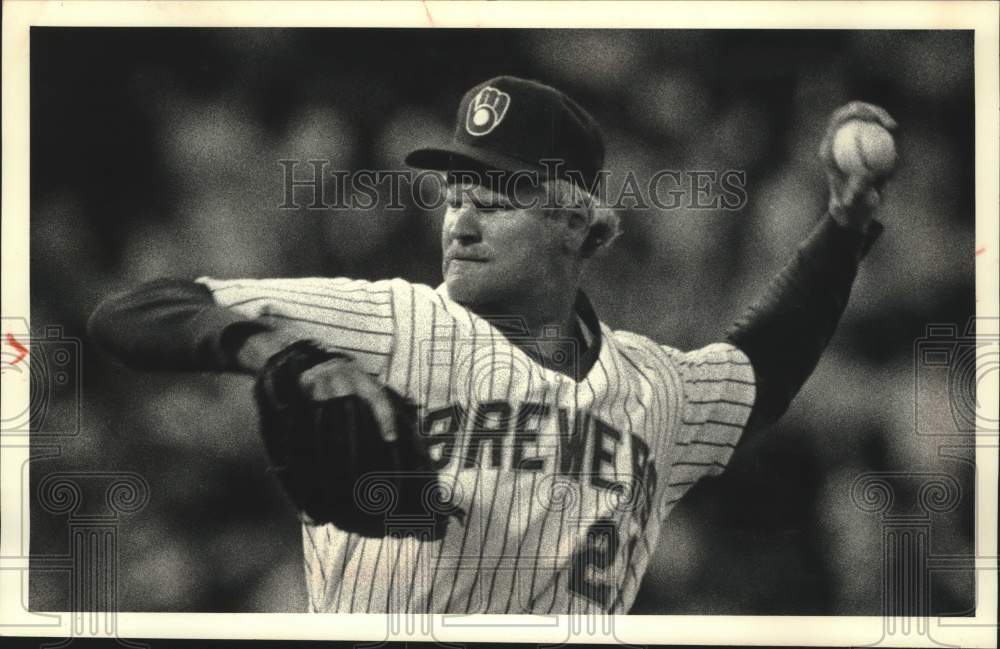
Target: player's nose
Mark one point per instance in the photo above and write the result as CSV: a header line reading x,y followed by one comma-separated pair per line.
x,y
462,225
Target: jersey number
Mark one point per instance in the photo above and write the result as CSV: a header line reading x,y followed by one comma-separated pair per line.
x,y
589,575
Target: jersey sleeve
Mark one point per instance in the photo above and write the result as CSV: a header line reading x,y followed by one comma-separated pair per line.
x,y
357,317
718,395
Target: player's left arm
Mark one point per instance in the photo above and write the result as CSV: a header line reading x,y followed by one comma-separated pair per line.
x,y
785,332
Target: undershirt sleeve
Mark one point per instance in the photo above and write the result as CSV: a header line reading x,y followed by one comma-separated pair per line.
x,y
171,324
785,332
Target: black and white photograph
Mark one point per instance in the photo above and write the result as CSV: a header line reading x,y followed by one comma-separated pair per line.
x,y
468,318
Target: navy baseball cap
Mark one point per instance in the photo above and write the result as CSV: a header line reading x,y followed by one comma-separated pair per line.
x,y
510,124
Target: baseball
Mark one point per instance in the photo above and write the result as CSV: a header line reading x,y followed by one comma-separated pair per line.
x,y
863,148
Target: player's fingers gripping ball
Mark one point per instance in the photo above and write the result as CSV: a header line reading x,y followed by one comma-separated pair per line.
x,y
859,151
332,458
862,148
859,141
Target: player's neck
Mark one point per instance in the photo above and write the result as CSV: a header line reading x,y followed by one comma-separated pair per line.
x,y
527,320
553,338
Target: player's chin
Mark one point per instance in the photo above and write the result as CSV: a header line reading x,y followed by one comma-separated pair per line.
x,y
471,272
466,287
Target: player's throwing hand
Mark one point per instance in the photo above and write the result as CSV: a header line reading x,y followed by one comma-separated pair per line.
x,y
859,154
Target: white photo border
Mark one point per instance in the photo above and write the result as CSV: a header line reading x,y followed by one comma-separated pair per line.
x,y
20,15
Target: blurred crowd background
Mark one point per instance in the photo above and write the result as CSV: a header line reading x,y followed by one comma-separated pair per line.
x,y
154,152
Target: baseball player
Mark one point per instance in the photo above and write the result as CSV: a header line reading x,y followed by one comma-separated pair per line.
x,y
557,444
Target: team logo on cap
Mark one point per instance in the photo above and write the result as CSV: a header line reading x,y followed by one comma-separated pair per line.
x,y
486,111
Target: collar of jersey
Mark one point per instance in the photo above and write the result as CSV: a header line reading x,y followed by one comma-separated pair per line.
x,y
588,317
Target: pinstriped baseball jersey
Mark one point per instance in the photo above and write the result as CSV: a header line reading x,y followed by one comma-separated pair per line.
x,y
559,486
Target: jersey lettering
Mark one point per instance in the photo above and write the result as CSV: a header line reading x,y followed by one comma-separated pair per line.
x,y
588,576
491,432
529,417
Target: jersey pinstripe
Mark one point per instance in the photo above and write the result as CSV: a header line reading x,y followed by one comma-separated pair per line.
x,y
561,485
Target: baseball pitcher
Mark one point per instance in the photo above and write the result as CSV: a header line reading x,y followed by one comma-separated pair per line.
x,y
490,445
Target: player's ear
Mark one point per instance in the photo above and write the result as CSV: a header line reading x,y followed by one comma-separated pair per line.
x,y
585,237
597,235
576,232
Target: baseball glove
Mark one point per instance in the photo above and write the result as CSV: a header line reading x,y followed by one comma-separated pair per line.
x,y
332,460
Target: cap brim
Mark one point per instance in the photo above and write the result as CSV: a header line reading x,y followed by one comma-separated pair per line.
x,y
462,157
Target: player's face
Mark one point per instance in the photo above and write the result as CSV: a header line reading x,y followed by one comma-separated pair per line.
x,y
500,257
